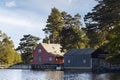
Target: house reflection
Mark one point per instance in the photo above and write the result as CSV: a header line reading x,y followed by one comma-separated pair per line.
x,y
54,75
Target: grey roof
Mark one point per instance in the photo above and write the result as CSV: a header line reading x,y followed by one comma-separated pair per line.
x,y
80,51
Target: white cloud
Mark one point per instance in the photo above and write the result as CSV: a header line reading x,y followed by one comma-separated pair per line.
x,y
70,1
10,4
14,21
30,16
18,23
22,20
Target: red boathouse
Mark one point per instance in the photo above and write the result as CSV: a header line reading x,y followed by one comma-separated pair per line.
x,y
47,54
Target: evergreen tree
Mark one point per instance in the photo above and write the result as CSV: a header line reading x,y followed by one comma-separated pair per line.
x,y
66,30
102,24
54,25
72,34
73,37
101,21
26,47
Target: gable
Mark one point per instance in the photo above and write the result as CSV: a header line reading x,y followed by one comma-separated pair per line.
x,y
52,48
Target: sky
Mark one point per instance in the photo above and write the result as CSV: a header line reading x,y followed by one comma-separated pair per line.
x,y
22,17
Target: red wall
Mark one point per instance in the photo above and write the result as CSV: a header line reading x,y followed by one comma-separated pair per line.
x,y
44,56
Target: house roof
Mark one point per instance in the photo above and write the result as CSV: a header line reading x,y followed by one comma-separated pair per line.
x,y
53,48
99,52
80,51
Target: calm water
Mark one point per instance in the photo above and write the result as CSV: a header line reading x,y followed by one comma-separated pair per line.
x,y
8,74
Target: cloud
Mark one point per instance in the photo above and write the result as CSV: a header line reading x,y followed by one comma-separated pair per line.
x,y
18,23
30,16
70,1
21,19
10,4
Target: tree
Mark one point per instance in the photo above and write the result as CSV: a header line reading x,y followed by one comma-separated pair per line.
x,y
66,30
72,34
26,47
8,55
54,25
102,20
72,38
71,21
113,47
102,24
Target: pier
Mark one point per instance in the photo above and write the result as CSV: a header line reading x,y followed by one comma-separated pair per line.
x,y
47,67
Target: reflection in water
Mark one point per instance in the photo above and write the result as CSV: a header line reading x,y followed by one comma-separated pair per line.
x,y
90,76
77,76
54,75
100,77
8,74
13,74
115,76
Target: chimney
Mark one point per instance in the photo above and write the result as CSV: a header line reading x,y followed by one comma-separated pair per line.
x,y
48,41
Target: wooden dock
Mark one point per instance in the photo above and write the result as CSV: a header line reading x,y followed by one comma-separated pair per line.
x,y
46,67
21,66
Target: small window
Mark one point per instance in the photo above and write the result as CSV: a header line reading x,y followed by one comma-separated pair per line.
x,y
68,61
50,59
39,50
35,58
84,61
40,59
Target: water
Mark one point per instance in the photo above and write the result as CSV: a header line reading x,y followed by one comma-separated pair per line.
x,y
12,74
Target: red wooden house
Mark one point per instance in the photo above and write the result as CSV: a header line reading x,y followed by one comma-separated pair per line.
x,y
47,54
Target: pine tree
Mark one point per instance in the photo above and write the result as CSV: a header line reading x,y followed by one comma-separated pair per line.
x,y
54,25
26,47
101,21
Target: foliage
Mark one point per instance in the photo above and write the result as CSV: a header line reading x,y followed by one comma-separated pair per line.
x,y
54,25
102,26
113,47
66,30
8,55
113,59
72,34
72,38
102,20
26,47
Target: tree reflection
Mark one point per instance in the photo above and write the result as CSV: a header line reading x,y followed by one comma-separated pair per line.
x,y
114,76
78,75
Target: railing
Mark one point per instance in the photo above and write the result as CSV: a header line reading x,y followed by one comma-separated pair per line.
x,y
21,66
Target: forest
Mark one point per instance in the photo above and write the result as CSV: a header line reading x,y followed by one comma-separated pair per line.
x,y
101,30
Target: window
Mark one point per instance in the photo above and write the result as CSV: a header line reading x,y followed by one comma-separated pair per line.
x,y
68,61
84,61
39,50
39,59
50,59
35,58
